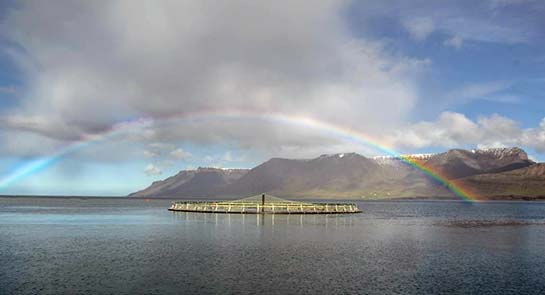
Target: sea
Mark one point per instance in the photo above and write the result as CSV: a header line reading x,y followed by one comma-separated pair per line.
x,y
135,246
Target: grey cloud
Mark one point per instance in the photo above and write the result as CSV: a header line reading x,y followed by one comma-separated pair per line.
x,y
165,150
26,145
54,128
92,64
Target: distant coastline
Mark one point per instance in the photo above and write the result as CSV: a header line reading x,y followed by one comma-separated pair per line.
x,y
513,198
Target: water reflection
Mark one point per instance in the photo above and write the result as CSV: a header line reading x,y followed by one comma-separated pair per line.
x,y
267,220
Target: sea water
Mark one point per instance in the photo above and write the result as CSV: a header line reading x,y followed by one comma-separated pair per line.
x,y
134,246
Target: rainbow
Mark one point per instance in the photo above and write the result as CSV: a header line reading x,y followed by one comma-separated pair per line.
x,y
340,132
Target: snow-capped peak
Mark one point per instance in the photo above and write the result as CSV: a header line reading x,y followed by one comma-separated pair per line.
x,y
500,152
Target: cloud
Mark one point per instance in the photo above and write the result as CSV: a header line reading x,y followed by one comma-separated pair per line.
x,y
180,154
92,65
8,89
165,150
14,144
469,21
535,137
230,156
54,128
496,91
122,60
152,170
419,27
497,4
485,30
455,41
158,149
227,158
456,130
451,129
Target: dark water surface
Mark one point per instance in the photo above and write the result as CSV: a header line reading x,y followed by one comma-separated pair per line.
x,y
121,246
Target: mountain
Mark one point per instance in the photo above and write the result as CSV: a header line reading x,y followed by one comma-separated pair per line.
x,y
460,163
350,175
519,183
202,182
317,177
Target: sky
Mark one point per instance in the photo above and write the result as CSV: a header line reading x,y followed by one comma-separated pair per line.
x,y
104,97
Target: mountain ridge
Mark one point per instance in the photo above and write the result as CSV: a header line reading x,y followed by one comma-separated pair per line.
x,y
353,176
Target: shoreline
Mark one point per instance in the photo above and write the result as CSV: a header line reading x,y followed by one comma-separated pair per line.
x,y
511,198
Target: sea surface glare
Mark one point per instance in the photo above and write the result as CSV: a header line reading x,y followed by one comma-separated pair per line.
x,y
128,246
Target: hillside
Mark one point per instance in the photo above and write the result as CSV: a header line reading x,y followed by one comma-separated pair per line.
x,y
515,184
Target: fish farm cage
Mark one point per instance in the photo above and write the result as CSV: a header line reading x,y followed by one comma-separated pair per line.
x,y
264,204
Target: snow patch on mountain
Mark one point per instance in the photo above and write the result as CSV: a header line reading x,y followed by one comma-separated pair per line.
x,y
392,160
495,153
500,153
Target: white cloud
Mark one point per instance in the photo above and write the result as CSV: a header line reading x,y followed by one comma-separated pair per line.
x,y
455,41
535,137
90,65
451,129
124,59
456,130
419,27
152,170
180,154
